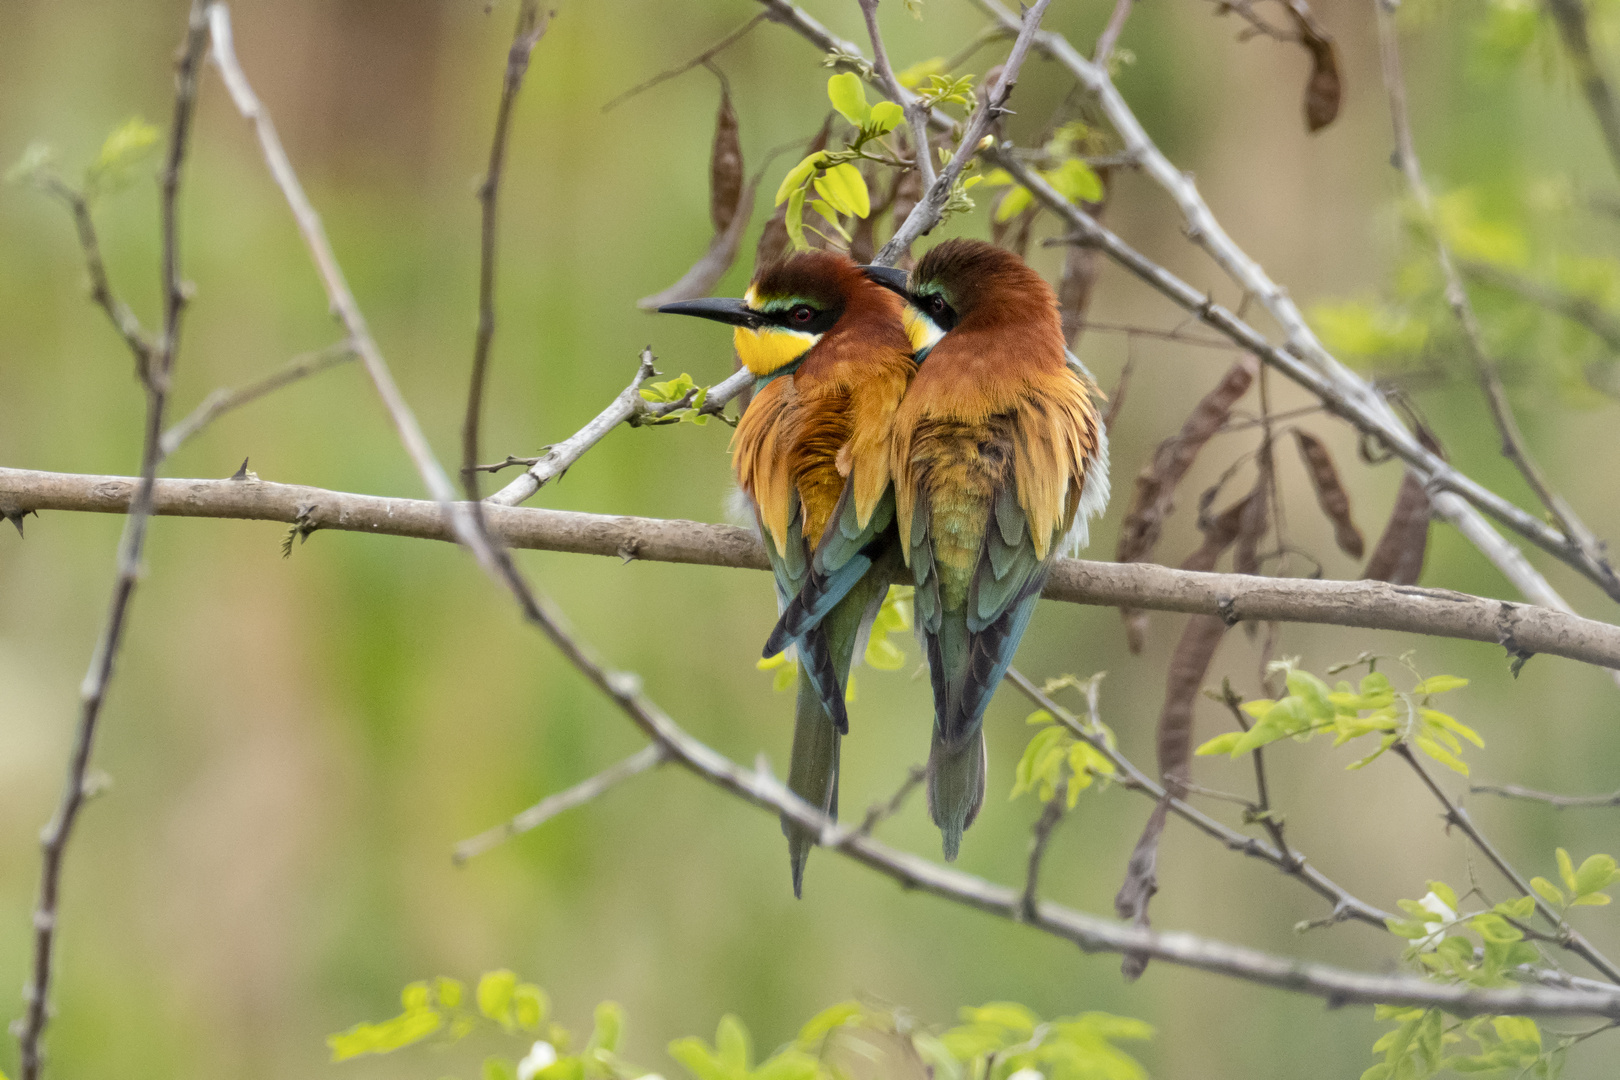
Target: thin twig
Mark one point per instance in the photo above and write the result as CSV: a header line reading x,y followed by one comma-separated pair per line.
x,y
880,812
929,209
917,114
1372,605
1513,448
1040,836
1561,802
1577,309
157,365
1570,15
1260,810
699,60
223,401
624,409
530,28
1110,35
1345,905
338,293
101,291
1568,936
649,757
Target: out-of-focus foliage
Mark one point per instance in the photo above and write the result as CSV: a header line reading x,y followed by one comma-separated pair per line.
x,y
852,1040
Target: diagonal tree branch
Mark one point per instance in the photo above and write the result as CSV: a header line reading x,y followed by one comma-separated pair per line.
x,y
1513,448
931,207
649,757
221,402
917,114
1570,15
1450,501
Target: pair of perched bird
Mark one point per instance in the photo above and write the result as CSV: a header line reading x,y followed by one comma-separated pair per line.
x,y
931,428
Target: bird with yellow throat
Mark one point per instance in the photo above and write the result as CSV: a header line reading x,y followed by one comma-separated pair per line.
x,y
831,360
1000,460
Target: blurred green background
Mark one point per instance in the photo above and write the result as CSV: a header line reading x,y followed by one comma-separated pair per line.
x,y
295,744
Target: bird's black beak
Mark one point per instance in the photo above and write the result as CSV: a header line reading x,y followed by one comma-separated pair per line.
x,y
890,277
725,310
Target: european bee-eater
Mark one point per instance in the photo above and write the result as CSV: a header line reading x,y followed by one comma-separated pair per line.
x,y
831,360
1000,460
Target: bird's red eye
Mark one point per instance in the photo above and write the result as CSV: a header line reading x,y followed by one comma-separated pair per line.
x,y
936,304
802,314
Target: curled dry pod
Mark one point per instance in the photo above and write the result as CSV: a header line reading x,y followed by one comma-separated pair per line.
x,y
1081,266
1398,556
725,165
1252,523
1324,90
1189,664
1330,493
1151,501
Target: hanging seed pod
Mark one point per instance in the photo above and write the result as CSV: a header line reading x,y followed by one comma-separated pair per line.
x,y
1330,493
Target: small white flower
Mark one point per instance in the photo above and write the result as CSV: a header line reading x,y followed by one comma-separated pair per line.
x,y
1027,1074
1443,917
541,1055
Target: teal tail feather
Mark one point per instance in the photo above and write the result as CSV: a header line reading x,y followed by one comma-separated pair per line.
x,y
813,775
956,776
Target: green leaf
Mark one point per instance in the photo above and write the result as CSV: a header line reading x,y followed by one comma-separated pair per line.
x,y
416,996
920,72
1547,891
495,996
834,1016
609,1026
1439,684
530,1006
848,96
1006,1014
498,1069
1446,723
1440,754
1013,203
124,149
1596,899
1566,870
790,1064
845,187
885,117
1220,744
1522,908
795,220
732,1043
798,176
448,991
696,1058
1597,872
1445,893
1076,181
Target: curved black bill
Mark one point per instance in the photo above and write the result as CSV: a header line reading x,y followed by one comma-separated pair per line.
x,y
890,277
720,309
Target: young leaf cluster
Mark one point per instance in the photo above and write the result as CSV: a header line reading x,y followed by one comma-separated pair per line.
x,y
1067,171
1055,760
1374,708
997,1041
828,181
671,392
1581,887
1424,1042
1004,1040
114,168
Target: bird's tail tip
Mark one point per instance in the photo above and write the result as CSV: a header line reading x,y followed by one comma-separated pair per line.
x,y
956,781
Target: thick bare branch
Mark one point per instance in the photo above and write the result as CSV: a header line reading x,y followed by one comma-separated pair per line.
x,y
1371,605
